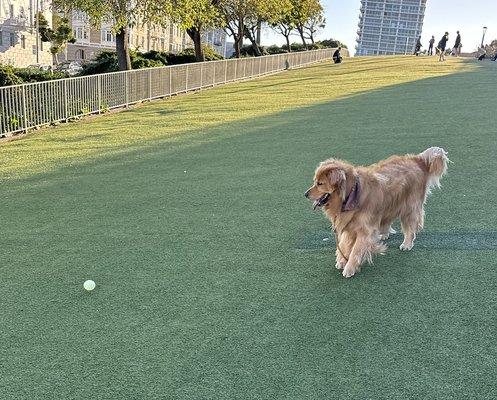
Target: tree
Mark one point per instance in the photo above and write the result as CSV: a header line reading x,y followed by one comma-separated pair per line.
x,y
195,16
122,13
59,36
285,25
264,12
313,25
302,12
234,13
244,17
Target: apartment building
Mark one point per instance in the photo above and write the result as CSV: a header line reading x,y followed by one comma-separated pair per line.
x,y
142,37
18,34
216,40
389,26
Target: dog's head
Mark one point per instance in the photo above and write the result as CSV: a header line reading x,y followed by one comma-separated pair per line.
x,y
329,182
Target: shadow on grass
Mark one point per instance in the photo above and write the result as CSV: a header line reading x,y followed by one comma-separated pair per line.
x,y
203,294
423,103
431,240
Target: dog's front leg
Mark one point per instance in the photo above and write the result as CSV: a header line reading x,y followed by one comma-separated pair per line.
x,y
344,247
356,255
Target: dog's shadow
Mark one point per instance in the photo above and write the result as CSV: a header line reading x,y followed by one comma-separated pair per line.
x,y
481,240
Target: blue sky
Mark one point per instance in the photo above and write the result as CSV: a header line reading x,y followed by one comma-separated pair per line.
x,y
467,16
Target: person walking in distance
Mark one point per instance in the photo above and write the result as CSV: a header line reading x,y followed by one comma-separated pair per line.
x,y
457,45
430,47
442,45
417,48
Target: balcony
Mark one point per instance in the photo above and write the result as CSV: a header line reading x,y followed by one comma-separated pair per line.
x,y
19,22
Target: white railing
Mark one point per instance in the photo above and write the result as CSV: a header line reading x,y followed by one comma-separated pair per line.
x,y
31,105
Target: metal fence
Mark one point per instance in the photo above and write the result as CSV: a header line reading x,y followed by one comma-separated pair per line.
x,y
31,105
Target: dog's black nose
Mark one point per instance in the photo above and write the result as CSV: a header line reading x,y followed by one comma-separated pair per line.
x,y
306,194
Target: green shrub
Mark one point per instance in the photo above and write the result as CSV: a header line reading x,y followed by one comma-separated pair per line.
x,y
294,47
8,76
106,61
35,75
188,56
154,55
275,49
248,51
315,46
332,43
140,62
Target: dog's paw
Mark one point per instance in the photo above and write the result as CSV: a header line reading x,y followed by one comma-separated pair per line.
x,y
348,272
340,264
406,247
384,236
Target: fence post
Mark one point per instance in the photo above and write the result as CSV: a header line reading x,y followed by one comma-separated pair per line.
x,y
214,73
236,68
170,81
201,72
126,88
99,89
186,79
225,71
66,106
24,109
150,84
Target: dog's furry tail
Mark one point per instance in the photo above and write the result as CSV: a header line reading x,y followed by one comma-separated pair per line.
x,y
436,160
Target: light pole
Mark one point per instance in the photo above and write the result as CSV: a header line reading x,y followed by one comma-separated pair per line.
x,y
37,33
483,37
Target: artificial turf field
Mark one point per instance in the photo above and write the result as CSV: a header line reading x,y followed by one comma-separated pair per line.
x,y
213,279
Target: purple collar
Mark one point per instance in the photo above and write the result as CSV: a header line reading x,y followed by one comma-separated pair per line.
x,y
351,202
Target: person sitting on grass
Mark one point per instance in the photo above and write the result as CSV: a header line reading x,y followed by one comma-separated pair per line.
x,y
337,57
481,54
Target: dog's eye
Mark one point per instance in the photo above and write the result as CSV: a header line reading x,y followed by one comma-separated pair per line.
x,y
320,183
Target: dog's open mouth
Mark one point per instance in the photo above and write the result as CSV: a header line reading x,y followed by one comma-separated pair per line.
x,y
321,201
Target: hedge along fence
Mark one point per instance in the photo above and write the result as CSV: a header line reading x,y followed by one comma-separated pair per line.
x,y
31,105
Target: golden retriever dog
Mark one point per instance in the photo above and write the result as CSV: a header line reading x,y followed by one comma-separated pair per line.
x,y
362,202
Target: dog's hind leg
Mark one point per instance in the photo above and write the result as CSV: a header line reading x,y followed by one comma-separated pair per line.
x,y
411,224
386,229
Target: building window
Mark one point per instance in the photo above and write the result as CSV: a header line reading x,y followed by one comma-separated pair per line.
x,y
1,38
107,36
12,39
80,54
80,16
23,41
81,33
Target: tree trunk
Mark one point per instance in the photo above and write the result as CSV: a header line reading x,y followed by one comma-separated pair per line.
x,y
196,37
287,37
237,47
253,41
312,38
239,38
122,49
301,32
258,35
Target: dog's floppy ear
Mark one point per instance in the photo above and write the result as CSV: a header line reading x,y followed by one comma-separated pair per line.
x,y
337,178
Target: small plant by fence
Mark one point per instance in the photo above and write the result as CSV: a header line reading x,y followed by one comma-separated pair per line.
x,y
31,105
